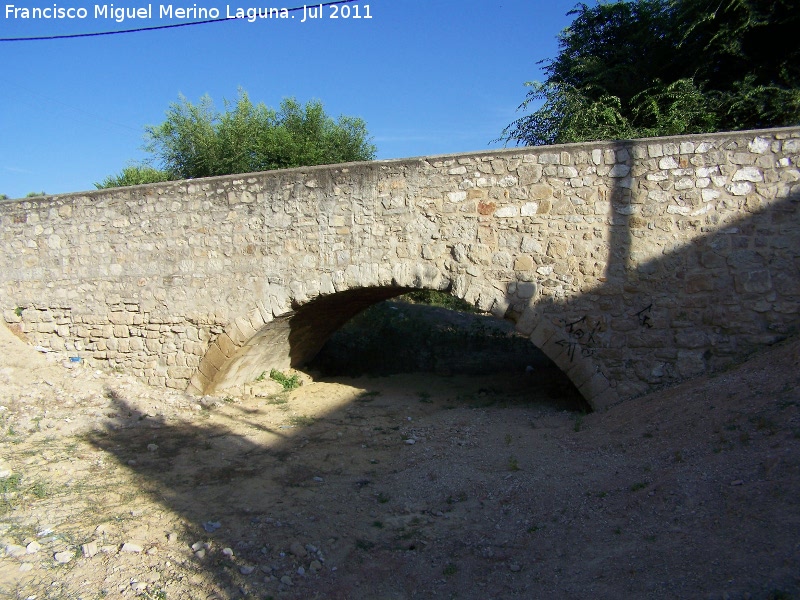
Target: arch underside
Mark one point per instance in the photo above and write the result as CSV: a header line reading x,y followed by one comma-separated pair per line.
x,y
294,338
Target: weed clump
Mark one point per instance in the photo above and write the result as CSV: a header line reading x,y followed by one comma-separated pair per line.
x,y
288,383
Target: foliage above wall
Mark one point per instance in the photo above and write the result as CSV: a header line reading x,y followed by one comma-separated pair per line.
x,y
667,67
197,140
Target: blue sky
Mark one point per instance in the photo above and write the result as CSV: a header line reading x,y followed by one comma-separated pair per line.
x,y
427,76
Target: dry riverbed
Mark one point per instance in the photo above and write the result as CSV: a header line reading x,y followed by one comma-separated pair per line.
x,y
405,486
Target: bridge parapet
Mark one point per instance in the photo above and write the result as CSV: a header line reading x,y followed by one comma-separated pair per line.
x,y
633,264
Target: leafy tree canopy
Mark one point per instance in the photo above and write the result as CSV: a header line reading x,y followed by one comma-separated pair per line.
x,y
197,140
664,67
135,174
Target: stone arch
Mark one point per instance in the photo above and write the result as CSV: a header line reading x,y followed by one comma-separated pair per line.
x,y
293,332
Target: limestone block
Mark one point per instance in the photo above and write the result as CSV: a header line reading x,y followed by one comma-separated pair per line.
x,y
529,174
748,174
619,170
226,345
668,163
507,212
548,158
523,263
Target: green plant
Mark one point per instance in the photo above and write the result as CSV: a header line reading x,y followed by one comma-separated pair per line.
x,y
10,483
424,397
18,311
135,174
578,422
508,439
35,194
262,376
449,569
301,420
288,383
512,464
377,524
40,489
197,140
364,544
638,486
437,298
657,67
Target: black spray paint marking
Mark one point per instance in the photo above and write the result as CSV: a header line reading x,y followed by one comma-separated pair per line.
x,y
644,316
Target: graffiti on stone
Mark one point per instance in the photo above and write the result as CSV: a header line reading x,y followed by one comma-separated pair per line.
x,y
580,337
645,316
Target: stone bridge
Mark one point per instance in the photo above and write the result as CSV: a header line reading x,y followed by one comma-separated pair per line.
x,y
632,264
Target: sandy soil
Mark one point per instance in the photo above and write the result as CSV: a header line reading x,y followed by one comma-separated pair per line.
x,y
407,486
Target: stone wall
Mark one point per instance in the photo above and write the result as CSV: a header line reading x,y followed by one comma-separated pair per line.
x,y
632,264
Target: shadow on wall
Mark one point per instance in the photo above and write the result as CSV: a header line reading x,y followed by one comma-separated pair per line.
x,y
697,308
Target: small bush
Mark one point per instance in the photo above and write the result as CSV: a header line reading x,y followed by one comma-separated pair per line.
x,y
288,383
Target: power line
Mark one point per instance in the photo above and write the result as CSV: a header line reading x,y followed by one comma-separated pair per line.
x,y
154,28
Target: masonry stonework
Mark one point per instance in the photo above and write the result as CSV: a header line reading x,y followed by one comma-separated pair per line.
x,y
632,264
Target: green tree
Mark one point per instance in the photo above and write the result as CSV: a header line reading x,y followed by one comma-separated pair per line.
x,y
3,197
198,141
135,174
662,67
35,194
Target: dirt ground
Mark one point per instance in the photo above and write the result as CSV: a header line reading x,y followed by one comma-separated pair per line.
x,y
405,486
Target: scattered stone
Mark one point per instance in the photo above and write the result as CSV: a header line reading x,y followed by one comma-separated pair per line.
x,y
227,552
315,566
151,551
200,553
131,547
138,586
152,447
33,547
64,556
514,567
172,538
197,546
15,551
411,441
286,580
246,570
89,549
101,529
318,479
297,549
737,482
26,566
211,526
109,549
